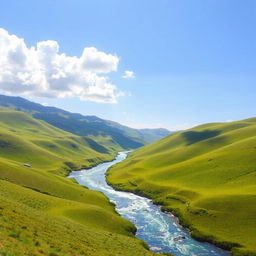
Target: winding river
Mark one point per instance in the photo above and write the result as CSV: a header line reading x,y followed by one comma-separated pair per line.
x,y
159,230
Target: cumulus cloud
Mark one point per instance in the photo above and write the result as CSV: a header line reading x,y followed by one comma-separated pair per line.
x,y
43,71
128,74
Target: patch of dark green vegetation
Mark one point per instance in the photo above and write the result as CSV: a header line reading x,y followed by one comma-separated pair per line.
x,y
194,136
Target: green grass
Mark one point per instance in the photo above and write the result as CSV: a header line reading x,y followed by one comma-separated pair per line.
x,y
36,224
26,139
206,176
44,213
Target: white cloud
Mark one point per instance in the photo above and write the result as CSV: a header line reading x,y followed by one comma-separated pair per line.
x,y
128,74
43,71
97,61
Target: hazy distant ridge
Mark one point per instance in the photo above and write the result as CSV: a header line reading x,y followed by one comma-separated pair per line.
x,y
108,134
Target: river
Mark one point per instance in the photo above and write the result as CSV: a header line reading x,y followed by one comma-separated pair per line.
x,y
161,231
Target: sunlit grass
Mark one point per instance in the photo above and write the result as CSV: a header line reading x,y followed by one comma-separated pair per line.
x,y
205,175
44,213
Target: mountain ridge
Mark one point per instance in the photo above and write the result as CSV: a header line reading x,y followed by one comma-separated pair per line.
x,y
103,132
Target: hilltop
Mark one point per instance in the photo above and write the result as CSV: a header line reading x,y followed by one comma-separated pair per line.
x,y
205,175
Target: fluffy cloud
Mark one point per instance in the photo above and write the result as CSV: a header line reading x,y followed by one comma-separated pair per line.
x,y
128,74
43,71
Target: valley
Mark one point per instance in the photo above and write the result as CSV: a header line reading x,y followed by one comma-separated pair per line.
x,y
204,175
161,231
128,128
41,211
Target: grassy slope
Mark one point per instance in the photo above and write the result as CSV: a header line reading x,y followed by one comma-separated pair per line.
x,y
41,211
206,175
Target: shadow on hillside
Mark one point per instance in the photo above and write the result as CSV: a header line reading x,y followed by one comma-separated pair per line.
x,y
95,146
194,137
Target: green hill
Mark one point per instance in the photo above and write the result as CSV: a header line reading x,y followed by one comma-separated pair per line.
x,y
206,175
104,136
44,213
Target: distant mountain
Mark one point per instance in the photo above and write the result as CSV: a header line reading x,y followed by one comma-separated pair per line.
x,y
102,134
151,135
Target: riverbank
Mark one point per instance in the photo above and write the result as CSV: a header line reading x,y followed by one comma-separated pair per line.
x,y
227,246
181,209
157,229
206,176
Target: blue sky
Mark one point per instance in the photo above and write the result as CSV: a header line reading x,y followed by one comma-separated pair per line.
x,y
194,61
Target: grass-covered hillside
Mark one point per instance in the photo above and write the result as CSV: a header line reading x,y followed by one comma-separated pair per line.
x,y
206,175
44,213
109,135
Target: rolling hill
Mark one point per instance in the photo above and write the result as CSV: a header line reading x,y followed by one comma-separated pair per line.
x,y
107,135
205,175
44,213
